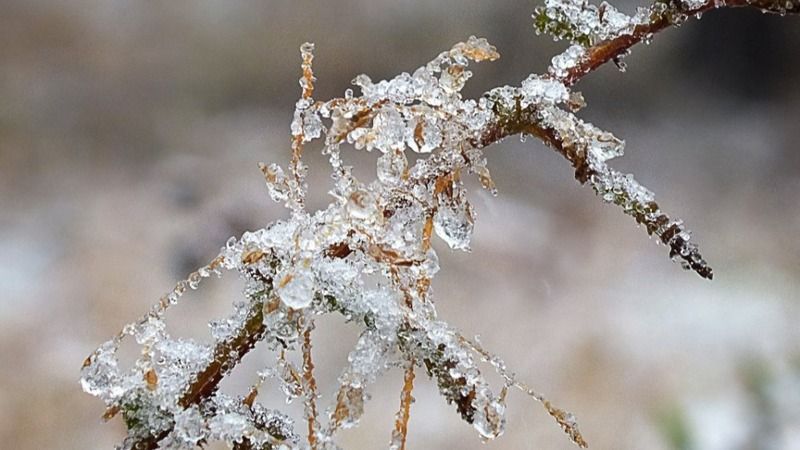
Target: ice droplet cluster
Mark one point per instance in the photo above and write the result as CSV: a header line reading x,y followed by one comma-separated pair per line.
x,y
368,257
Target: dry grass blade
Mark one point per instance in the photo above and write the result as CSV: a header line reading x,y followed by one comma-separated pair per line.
x,y
310,390
400,433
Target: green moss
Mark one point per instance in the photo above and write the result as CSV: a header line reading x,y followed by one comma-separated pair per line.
x,y
560,29
130,415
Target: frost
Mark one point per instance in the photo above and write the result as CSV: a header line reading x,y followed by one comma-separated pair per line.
x,y
224,329
369,256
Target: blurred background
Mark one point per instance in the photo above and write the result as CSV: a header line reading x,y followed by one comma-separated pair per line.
x,y
129,137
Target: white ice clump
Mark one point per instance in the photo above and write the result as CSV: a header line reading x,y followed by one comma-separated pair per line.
x,y
538,89
190,427
570,58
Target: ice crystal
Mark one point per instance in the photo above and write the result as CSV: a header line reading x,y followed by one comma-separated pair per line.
x,y
370,256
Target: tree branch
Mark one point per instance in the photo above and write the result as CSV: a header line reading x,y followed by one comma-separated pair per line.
x,y
608,50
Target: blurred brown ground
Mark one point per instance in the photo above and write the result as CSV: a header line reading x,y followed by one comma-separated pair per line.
x,y
129,136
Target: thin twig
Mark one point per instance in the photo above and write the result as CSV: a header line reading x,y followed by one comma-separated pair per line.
x,y
400,433
310,389
226,355
605,51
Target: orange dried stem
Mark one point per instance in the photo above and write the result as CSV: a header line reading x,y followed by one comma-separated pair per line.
x,y
310,385
307,82
406,399
306,51
342,410
567,423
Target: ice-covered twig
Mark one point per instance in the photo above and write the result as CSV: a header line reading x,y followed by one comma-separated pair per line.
x,y
368,256
618,33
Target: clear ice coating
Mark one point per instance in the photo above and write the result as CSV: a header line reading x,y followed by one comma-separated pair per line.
x,y
369,255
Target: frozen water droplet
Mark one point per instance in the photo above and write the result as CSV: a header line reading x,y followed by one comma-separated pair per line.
x,y
312,126
149,330
307,49
576,101
388,129
391,167
453,223
100,375
453,79
363,81
489,418
277,182
361,205
605,146
296,288
425,135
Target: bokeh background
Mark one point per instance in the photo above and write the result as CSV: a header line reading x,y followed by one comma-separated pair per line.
x,y
129,136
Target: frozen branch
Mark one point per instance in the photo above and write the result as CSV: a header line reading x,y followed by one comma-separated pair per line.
x,y
367,256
